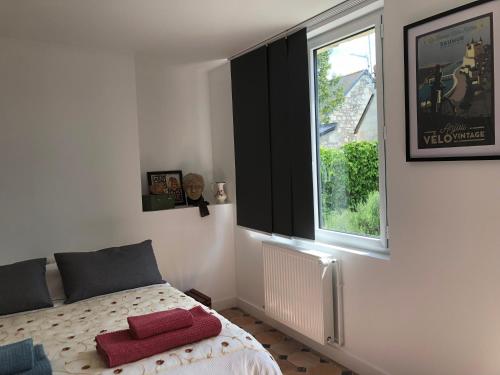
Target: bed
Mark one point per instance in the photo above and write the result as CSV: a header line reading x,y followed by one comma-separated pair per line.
x,y
67,333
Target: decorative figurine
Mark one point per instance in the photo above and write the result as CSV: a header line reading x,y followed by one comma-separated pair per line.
x,y
220,194
193,186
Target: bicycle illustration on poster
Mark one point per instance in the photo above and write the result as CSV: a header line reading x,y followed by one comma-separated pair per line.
x,y
450,86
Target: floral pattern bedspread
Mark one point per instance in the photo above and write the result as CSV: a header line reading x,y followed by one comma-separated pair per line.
x,y
67,333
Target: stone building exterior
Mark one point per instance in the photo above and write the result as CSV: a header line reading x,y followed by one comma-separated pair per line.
x,y
356,118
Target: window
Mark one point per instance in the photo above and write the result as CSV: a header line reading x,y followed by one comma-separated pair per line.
x,y
348,124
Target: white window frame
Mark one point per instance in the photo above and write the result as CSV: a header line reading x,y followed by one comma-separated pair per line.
x,y
340,29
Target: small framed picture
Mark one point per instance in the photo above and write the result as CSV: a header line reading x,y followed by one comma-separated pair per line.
x,y
167,182
450,61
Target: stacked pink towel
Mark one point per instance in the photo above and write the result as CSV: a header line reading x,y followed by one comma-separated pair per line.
x,y
159,322
118,348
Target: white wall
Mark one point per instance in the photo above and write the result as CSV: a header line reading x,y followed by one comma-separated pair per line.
x,y
433,308
70,161
174,117
69,154
221,118
195,252
174,124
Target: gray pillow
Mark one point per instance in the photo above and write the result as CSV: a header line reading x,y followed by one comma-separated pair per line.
x,y
89,274
23,287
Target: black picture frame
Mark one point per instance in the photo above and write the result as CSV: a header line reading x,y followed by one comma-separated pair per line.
x,y
470,12
165,178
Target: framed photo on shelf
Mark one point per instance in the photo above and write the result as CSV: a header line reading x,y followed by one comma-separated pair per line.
x,y
451,106
167,182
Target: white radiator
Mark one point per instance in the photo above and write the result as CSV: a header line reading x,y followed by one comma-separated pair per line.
x,y
303,291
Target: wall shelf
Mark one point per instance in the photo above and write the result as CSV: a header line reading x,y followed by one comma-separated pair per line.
x,y
177,208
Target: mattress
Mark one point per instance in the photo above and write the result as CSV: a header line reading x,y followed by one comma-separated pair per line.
x,y
67,333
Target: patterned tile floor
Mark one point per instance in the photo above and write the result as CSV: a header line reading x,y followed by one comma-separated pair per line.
x,y
292,356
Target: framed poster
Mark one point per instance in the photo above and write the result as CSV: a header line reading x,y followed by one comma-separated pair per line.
x,y
451,106
167,182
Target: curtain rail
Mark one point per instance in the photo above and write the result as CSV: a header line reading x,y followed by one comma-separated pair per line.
x,y
329,14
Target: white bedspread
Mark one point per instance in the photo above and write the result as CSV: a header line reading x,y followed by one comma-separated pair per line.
x,y
67,333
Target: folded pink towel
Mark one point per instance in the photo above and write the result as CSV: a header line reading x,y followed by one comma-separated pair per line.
x,y
119,347
159,322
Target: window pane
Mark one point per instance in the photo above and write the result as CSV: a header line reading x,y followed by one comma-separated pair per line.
x,y
348,160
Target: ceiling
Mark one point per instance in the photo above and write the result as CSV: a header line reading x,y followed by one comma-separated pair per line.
x,y
184,30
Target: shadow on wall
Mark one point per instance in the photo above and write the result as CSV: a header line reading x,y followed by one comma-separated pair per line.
x,y
221,119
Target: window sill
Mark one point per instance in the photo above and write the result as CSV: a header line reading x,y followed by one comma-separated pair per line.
x,y
326,248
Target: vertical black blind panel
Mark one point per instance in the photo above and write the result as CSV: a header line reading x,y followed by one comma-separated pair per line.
x,y
251,140
300,128
280,138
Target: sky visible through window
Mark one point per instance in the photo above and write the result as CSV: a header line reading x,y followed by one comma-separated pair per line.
x,y
352,54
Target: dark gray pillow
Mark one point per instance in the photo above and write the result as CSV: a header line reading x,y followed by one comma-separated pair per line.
x,y
89,274
23,287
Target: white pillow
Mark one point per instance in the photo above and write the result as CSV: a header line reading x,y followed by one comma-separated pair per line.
x,y
54,281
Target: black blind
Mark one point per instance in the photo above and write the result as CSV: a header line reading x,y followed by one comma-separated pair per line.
x,y
281,137
251,140
271,118
300,127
